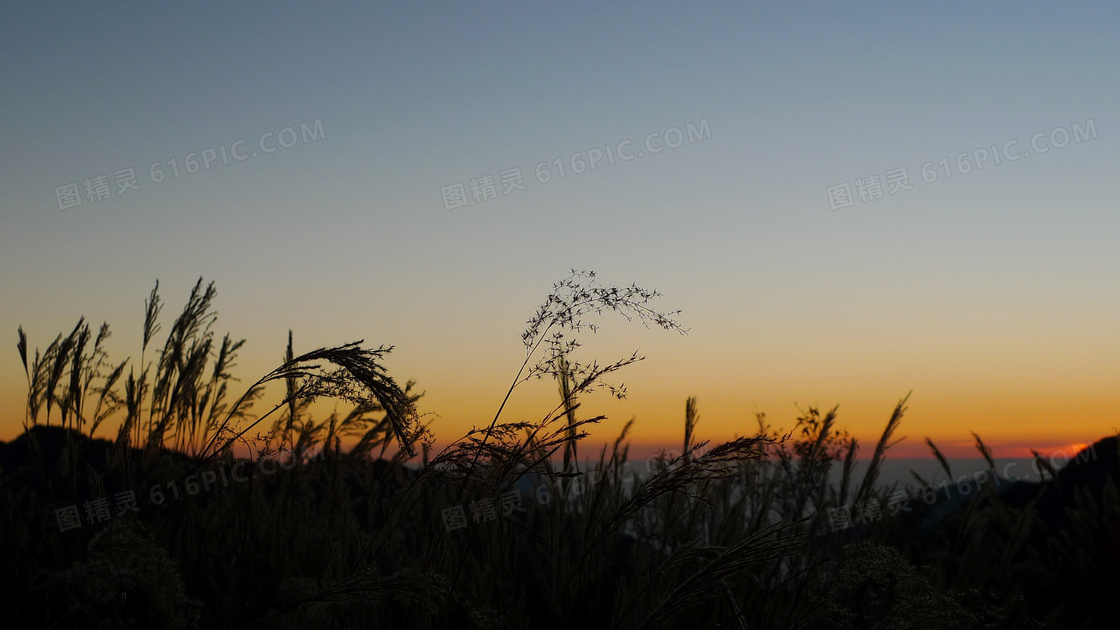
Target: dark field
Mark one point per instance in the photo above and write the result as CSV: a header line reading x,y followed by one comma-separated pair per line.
x,y
163,525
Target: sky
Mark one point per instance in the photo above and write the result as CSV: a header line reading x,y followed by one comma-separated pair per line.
x,y
849,202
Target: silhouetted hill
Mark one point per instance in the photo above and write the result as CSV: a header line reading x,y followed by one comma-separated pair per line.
x,y
1074,536
39,459
1089,470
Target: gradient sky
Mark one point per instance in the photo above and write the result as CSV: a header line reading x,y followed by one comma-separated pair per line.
x,y
991,294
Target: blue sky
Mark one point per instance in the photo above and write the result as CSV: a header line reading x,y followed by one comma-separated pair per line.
x,y
991,293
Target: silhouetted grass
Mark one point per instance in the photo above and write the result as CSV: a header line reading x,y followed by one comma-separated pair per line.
x,y
304,533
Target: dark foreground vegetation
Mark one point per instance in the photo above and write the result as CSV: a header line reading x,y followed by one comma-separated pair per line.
x,y
163,525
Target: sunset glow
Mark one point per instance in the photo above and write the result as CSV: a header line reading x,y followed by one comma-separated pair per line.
x,y
986,287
